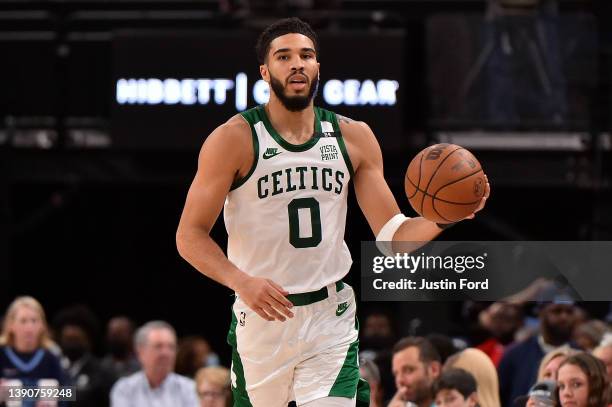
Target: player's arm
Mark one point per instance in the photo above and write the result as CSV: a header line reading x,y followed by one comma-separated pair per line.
x,y
226,155
373,194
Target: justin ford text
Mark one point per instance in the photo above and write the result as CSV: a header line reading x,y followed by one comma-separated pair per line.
x,y
426,263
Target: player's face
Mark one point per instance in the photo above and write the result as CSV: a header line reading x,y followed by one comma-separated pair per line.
x,y
292,70
26,327
413,378
452,398
158,354
573,386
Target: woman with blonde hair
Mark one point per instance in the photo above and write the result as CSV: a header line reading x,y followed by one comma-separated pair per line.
x,y
549,366
213,386
479,365
25,358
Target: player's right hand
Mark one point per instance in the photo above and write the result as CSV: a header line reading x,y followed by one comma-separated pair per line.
x,y
266,298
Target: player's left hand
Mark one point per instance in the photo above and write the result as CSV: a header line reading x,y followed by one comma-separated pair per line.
x,y
483,200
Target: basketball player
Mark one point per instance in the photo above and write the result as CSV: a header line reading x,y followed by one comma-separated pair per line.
x,y
281,172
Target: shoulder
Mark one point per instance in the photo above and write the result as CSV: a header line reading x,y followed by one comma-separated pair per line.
x,y
350,127
236,129
51,358
518,349
360,140
183,384
181,380
230,143
126,384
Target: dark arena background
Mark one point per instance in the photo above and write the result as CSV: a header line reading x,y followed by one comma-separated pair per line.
x,y
105,104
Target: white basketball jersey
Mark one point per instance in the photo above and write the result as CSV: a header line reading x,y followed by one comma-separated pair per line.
x,y
285,219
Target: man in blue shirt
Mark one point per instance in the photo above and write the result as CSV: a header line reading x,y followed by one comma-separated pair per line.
x,y
155,385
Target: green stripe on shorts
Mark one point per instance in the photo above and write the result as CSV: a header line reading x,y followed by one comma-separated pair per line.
x,y
348,377
239,393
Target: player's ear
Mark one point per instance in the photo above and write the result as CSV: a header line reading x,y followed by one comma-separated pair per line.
x,y
265,74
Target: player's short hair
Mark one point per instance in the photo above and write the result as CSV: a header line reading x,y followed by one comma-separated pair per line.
x,y
427,352
456,379
291,25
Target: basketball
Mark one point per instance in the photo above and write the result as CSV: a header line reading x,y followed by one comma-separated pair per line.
x,y
444,183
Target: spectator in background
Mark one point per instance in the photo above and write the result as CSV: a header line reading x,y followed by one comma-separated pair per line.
x,y
456,388
542,394
120,343
370,373
375,344
378,333
76,328
549,366
547,373
156,384
194,353
444,345
416,365
589,334
214,386
25,358
501,321
479,365
519,366
604,353
582,382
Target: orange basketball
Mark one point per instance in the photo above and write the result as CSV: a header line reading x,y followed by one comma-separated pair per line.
x,y
444,183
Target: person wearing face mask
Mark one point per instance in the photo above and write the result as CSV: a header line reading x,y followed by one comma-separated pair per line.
x,y
76,328
120,358
25,358
582,382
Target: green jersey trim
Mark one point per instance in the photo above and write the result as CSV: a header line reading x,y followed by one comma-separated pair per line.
x,y
248,116
296,148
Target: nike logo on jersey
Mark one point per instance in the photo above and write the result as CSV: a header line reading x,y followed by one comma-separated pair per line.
x,y
342,308
271,152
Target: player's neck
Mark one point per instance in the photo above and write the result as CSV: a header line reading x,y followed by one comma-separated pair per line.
x,y
295,127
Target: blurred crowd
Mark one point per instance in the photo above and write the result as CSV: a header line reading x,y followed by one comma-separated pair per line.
x,y
144,366
506,355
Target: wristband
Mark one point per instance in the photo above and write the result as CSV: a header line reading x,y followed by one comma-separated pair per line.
x,y
388,231
385,236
